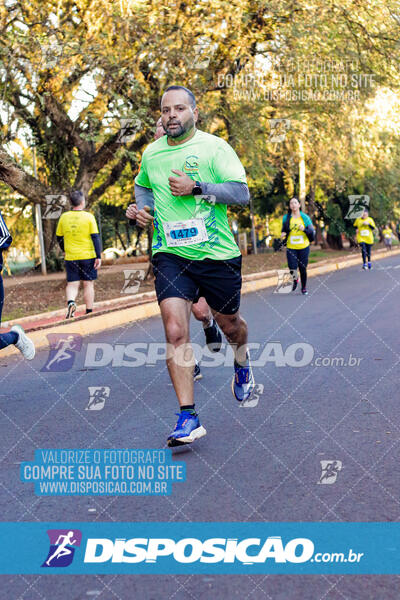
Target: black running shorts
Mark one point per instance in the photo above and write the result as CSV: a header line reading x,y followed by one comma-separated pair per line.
x,y
80,270
218,281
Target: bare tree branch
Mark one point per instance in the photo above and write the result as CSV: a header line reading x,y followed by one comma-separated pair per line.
x,y
60,118
20,181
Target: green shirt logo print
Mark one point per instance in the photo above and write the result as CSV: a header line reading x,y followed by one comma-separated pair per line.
x,y
191,166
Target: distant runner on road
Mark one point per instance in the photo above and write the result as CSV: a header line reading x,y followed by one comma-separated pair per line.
x,y
365,237
193,176
78,236
387,236
297,231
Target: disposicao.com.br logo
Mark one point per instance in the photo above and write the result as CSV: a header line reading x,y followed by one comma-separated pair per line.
x,y
248,551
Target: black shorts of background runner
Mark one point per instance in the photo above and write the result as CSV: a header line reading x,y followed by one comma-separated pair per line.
x,y
80,270
298,259
218,281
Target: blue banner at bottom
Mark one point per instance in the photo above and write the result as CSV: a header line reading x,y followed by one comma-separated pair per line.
x,y
210,548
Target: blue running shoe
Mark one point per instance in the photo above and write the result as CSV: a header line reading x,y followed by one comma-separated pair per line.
x,y
187,430
369,266
243,382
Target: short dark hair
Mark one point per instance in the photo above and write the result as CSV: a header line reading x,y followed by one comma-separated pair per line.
x,y
76,197
192,99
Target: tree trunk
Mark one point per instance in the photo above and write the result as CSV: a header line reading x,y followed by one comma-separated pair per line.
x,y
353,243
49,234
302,176
128,233
119,236
319,239
335,241
318,234
324,243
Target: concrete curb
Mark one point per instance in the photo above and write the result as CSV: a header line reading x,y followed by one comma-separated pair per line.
x,y
104,306
149,308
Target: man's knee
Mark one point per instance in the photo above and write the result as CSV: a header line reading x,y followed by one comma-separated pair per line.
x,y
176,331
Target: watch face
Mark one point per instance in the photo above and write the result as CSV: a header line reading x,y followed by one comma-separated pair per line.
x,y
196,190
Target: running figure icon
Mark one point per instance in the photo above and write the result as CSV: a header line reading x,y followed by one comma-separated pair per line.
x,y
63,350
63,545
62,549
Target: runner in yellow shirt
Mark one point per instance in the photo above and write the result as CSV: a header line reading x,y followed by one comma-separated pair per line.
x,y
365,226
297,230
387,236
78,236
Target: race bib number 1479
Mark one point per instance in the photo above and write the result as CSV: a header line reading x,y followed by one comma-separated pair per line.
x,y
185,233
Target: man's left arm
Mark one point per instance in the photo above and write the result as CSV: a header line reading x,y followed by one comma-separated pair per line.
x,y
229,185
230,192
96,243
60,234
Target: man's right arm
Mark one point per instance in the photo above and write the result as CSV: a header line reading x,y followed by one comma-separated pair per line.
x,y
60,234
144,197
139,213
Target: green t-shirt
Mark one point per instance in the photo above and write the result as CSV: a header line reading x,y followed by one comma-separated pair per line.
x,y
179,219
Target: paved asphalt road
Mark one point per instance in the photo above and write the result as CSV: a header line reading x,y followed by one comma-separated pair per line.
x,y
258,463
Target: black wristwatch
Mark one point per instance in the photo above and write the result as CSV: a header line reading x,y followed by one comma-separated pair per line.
x,y
197,191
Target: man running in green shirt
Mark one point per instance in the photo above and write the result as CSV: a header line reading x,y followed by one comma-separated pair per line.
x,y
192,177
200,309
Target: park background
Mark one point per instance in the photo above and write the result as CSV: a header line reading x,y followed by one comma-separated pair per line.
x,y
306,93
